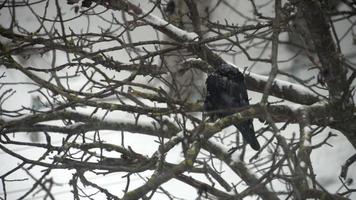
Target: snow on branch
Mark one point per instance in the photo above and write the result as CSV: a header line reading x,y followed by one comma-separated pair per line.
x,y
256,82
281,89
179,33
83,121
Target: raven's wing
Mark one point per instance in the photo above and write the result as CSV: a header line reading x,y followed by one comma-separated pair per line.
x,y
237,89
218,101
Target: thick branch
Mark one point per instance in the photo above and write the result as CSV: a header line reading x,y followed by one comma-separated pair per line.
x,y
84,123
333,70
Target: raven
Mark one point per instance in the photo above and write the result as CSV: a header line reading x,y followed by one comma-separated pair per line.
x,y
226,90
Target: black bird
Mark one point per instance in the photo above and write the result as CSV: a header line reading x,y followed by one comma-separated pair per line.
x,y
226,90
170,8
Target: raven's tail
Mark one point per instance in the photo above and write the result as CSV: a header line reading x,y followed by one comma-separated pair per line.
x,y
248,133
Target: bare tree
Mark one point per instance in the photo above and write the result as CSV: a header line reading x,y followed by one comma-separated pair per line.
x,y
104,103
